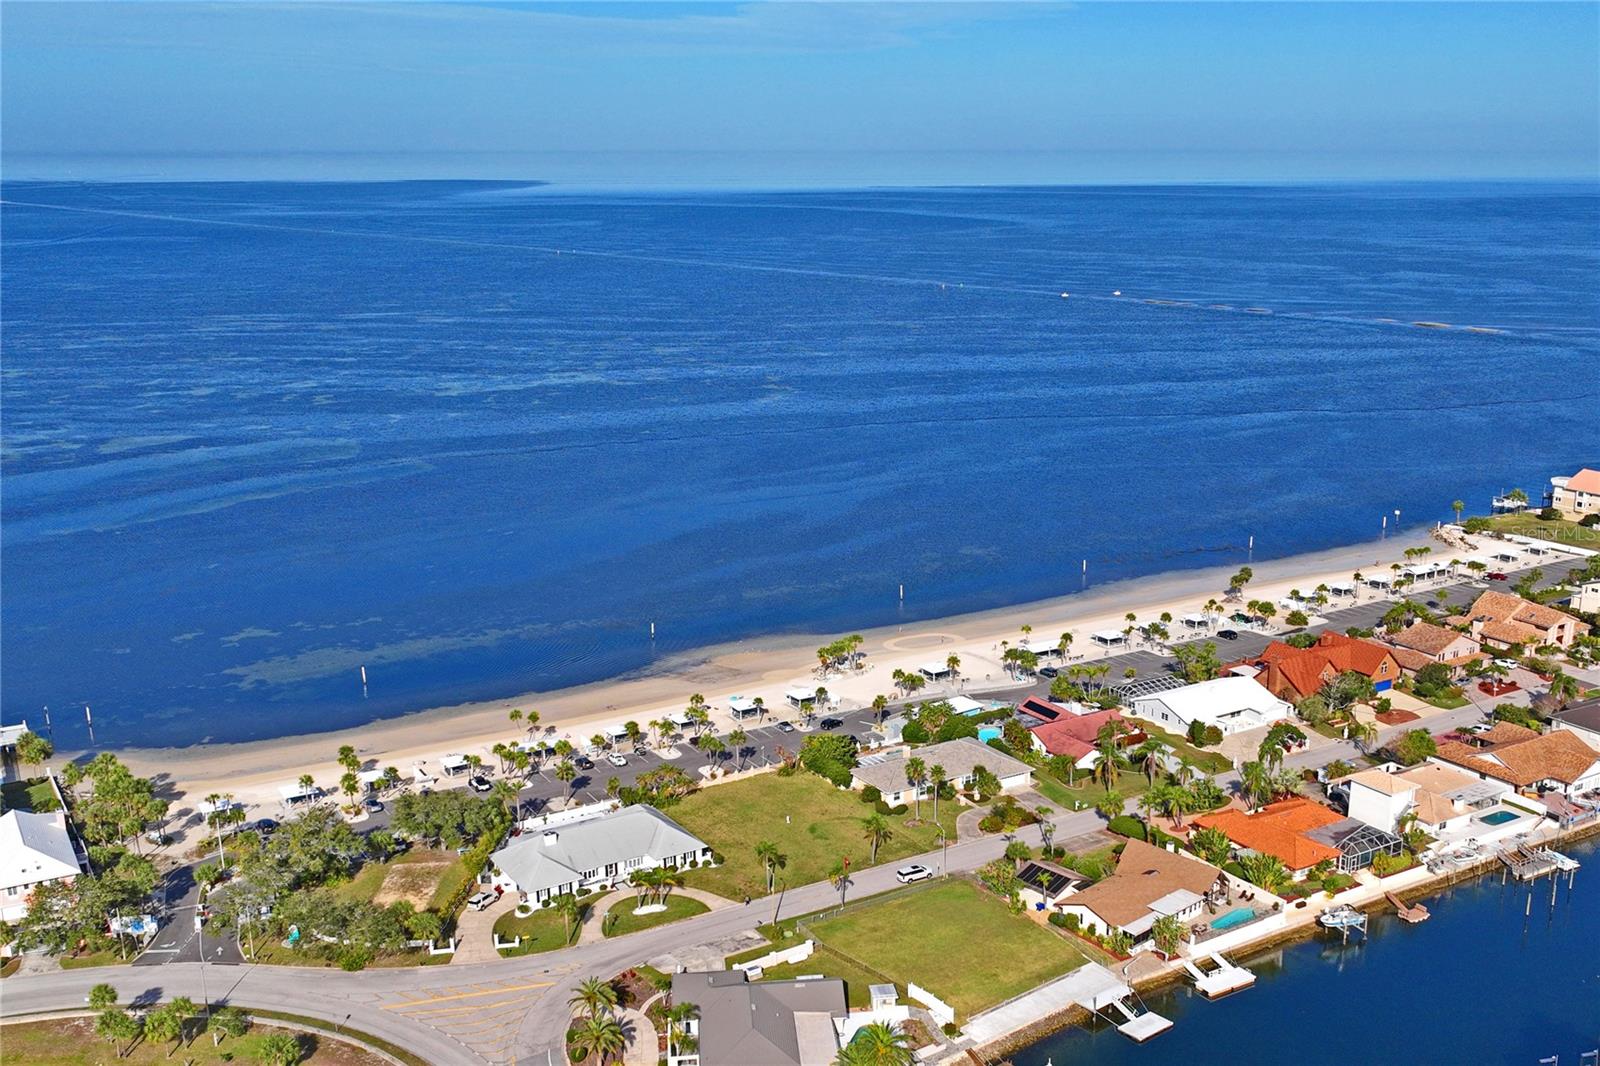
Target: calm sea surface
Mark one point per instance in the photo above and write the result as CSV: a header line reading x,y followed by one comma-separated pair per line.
x,y
1476,983
259,435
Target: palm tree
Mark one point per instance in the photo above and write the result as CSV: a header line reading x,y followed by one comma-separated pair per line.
x,y
566,772
667,879
916,773
939,776
569,908
877,1044
736,738
1149,753
880,705
839,878
877,832
712,746
1256,779
679,1042
1047,829
280,1049
600,1036
952,663
350,784
1362,734
592,998
772,859
1563,687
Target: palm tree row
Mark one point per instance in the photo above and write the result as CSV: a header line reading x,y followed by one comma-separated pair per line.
x,y
596,1031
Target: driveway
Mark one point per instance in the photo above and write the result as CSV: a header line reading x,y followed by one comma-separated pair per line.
x,y
475,931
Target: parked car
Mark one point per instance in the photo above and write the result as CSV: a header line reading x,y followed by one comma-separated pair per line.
x,y
1498,575
831,723
480,900
583,762
265,826
785,727
616,760
1509,664
1048,671
158,838
480,783
915,872
372,805
1228,634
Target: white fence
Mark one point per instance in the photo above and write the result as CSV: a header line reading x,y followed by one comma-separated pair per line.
x,y
786,956
942,1012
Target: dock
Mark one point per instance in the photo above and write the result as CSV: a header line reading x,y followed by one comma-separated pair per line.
x,y
1408,912
1528,863
1224,978
1092,987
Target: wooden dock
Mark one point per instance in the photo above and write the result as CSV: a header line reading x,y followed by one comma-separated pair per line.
x,y
1408,912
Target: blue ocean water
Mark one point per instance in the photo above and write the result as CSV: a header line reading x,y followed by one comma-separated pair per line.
x,y
475,436
1479,982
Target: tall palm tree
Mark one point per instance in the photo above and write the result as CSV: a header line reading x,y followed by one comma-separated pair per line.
x,y
570,909
877,832
679,1042
600,1037
1563,687
839,878
711,746
592,997
880,705
916,773
938,775
667,879
1362,734
877,1044
566,772
736,738
1149,754
772,859
1256,779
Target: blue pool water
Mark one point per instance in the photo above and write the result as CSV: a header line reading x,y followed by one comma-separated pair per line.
x,y
260,435
1237,916
1498,818
988,733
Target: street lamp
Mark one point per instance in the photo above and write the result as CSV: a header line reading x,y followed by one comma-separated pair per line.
x,y
944,854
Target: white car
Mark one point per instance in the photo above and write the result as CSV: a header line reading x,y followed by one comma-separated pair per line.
x,y
915,872
616,760
1509,664
481,900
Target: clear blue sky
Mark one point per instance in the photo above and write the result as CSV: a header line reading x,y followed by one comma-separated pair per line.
x,y
875,92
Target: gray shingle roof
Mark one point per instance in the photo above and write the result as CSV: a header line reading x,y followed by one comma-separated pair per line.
x,y
744,1024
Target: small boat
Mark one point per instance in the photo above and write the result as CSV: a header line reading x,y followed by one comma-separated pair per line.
x,y
1341,917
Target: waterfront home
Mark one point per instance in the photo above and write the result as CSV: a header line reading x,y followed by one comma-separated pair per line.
x,y
1076,735
595,853
1532,762
9,736
1578,495
1232,704
1301,833
1441,799
1582,720
1421,644
1501,620
768,1023
34,849
1587,598
1149,883
960,759
1292,673
1042,885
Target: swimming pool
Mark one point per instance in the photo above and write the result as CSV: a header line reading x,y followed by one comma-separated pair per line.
x,y
988,733
1498,818
1237,916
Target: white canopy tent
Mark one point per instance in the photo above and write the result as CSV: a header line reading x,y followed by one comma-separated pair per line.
x,y
1110,638
800,697
298,793
453,763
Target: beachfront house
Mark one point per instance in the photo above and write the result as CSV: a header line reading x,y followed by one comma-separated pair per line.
x,y
595,853
1555,762
1292,673
1577,496
960,759
34,849
1422,644
771,1023
1149,883
1441,799
1301,833
1232,704
1582,720
1501,619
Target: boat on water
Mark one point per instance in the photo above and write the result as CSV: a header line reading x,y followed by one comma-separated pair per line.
x,y
1343,916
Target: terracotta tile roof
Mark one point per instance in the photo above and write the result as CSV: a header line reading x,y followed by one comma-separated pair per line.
x,y
1306,669
1558,756
1585,480
1144,874
1434,809
1279,829
1503,607
1506,733
1411,660
1510,632
1073,734
1425,637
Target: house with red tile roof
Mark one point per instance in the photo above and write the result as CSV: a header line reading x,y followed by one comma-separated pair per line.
x,y
1423,644
1292,673
1301,833
1542,762
1072,730
1501,619
1578,495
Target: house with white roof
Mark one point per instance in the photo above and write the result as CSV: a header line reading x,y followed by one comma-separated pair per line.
x,y
34,849
595,853
1233,704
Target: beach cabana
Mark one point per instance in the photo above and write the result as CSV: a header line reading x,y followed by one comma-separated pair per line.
x,y
207,808
742,706
616,733
801,697
1380,581
1195,621
935,671
454,764
680,720
370,779
1109,638
298,793
1342,588
965,705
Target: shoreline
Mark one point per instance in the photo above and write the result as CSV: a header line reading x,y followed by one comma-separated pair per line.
x,y
763,666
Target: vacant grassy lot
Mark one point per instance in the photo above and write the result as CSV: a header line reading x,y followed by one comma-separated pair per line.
x,y
1560,531
72,1042
957,941
620,919
414,876
814,825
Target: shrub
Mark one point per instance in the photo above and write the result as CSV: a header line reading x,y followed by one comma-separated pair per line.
x,y
1057,919
354,957
883,808
1549,514
951,1029
898,808
1213,735
1477,524
1073,922
1384,864
1197,732
1126,825
1590,520
871,794
915,733
716,858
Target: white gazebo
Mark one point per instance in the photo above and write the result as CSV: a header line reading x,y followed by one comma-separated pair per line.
x,y
1109,638
454,764
936,671
800,697
298,793
742,706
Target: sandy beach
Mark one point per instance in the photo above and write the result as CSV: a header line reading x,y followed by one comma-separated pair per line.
x,y
253,771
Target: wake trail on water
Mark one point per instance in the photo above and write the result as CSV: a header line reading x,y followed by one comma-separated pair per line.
x,y
815,272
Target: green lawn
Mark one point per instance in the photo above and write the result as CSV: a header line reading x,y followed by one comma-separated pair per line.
x,y
823,826
543,930
73,1041
1561,531
620,919
959,942
1208,762
1085,792
34,795
109,957
857,979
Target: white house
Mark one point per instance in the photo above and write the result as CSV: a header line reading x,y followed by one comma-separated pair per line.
x,y
1149,883
1441,798
595,853
34,849
1233,704
1587,598
959,758
1582,720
